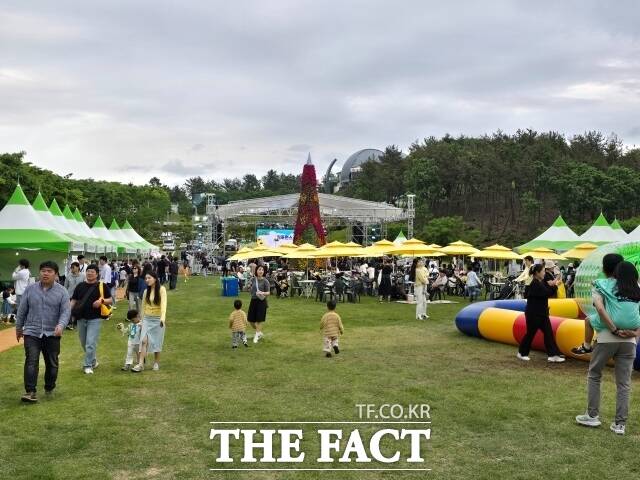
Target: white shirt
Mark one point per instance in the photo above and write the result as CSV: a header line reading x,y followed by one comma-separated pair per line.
x,y
105,273
21,278
371,272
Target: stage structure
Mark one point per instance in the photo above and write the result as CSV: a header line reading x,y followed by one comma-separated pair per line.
x,y
335,211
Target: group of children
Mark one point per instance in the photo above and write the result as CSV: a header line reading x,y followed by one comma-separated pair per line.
x,y
330,325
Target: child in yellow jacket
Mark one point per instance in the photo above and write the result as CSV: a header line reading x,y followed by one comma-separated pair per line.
x,y
238,325
331,326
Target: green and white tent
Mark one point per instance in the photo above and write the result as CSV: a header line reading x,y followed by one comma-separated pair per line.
x,y
621,235
23,234
115,231
103,245
103,232
43,213
135,237
400,238
557,237
65,228
600,232
90,242
634,235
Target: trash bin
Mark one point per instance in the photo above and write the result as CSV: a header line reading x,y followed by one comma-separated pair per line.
x,y
229,287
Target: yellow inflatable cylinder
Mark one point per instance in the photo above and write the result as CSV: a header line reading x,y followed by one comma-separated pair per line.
x,y
564,307
497,324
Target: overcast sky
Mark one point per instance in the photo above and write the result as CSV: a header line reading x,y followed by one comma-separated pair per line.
x,y
125,90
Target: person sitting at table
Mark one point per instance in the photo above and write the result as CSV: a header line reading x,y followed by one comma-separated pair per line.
x,y
282,284
439,284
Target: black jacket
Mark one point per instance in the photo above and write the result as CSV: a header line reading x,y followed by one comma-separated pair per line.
x,y
538,299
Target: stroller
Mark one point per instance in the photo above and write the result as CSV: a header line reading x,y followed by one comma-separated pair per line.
x,y
507,291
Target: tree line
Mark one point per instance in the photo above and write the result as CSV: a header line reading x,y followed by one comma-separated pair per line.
x,y
507,188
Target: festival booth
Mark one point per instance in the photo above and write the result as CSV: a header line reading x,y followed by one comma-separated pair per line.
x,y
557,237
101,231
125,248
24,234
600,232
620,234
133,237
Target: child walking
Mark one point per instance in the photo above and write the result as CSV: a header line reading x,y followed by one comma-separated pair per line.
x,y
133,339
238,325
331,327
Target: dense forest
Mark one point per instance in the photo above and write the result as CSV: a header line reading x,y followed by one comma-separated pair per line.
x,y
504,188
507,188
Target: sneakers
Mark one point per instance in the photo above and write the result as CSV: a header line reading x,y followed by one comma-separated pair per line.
x,y
581,350
589,421
156,366
88,370
126,367
234,346
137,368
29,397
95,364
328,355
257,337
244,342
524,358
556,359
336,349
617,428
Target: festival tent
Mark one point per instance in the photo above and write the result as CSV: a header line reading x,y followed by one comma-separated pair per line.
x,y
133,236
42,211
557,237
129,247
621,235
23,234
103,246
459,248
65,227
600,232
581,251
400,239
634,235
92,244
101,231
542,253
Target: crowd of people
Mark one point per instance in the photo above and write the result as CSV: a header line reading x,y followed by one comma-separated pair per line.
x,y
81,299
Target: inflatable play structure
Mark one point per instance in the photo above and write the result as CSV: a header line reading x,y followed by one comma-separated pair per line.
x,y
503,320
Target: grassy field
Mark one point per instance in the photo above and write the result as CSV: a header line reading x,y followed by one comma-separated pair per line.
x,y
493,417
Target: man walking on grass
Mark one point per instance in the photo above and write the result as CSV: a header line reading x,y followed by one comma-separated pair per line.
x,y
42,317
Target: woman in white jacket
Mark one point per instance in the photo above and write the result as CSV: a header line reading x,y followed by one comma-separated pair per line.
x,y
420,289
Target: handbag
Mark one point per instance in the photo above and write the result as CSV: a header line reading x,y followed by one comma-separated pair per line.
x,y
78,307
105,310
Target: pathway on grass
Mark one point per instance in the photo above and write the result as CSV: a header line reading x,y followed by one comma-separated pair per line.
x,y
8,339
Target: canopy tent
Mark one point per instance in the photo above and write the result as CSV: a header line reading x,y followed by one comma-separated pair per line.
x,y
413,247
42,211
103,245
64,227
133,236
600,232
634,235
24,233
91,243
557,237
400,239
581,251
115,231
306,250
621,235
379,248
101,231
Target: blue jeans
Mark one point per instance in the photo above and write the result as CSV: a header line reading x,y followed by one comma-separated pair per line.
x,y
89,333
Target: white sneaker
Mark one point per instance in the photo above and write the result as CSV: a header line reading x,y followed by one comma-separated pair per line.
x,y
257,337
617,428
138,368
555,359
524,358
588,421
88,370
156,367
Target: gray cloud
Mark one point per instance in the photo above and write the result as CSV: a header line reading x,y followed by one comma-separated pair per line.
x,y
138,85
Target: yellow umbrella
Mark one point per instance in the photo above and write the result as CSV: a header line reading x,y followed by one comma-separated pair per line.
x,y
379,248
459,248
581,251
306,250
238,255
413,247
285,248
259,252
335,249
542,253
498,252
435,245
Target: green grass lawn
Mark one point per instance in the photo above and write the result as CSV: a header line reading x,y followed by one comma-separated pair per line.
x,y
493,417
